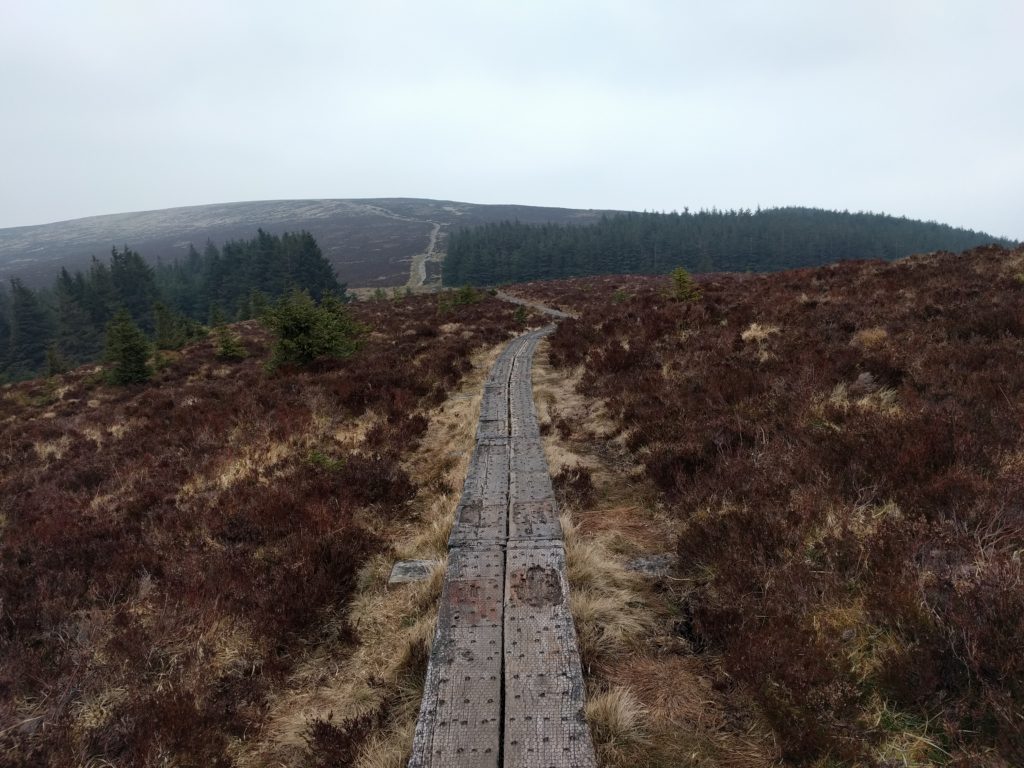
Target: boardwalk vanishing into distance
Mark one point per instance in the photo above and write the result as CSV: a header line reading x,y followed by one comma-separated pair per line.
x,y
504,685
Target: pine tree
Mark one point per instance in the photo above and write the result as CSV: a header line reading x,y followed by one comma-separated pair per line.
x,y
134,285
127,351
5,331
307,332
79,338
683,286
31,332
229,345
56,363
170,327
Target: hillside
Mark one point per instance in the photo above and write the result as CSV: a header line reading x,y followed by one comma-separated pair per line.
x,y
791,509
703,241
369,242
832,459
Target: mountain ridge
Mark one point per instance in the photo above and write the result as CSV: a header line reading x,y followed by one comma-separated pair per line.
x,y
370,241
378,242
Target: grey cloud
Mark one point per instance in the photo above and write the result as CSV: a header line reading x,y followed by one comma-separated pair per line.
x,y
913,107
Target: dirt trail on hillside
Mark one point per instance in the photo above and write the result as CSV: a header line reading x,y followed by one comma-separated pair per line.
x,y
418,267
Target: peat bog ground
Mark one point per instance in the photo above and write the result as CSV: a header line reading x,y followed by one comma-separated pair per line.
x,y
836,457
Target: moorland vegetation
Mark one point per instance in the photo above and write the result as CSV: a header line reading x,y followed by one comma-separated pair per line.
x,y
174,553
839,451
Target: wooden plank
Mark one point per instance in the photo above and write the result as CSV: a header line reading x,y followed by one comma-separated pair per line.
x,y
544,694
460,717
534,520
487,477
531,486
477,524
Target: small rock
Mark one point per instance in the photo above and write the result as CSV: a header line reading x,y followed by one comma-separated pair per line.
x,y
31,725
651,565
406,571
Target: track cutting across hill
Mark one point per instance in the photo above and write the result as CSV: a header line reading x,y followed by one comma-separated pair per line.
x,y
504,683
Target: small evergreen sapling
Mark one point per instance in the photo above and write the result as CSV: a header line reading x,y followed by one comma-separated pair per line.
x,y
127,351
56,363
684,287
229,344
307,332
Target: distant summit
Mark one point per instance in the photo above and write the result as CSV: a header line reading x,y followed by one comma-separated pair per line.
x,y
371,242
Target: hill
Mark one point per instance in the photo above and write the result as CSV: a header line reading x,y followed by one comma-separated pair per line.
x,y
370,242
703,241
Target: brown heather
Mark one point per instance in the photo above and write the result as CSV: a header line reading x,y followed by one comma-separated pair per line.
x,y
170,553
841,453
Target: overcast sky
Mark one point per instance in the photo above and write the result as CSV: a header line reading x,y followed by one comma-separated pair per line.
x,y
911,107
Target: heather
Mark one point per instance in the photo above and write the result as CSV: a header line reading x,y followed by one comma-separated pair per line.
x,y
840,452
171,551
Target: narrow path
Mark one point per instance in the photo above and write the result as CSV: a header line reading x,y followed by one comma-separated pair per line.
x,y
418,267
418,270
504,685
555,313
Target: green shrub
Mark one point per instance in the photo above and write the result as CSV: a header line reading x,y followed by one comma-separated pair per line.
x,y
684,288
307,332
56,363
229,345
463,297
127,351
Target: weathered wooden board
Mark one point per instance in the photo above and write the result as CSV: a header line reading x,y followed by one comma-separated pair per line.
x,y
487,477
460,718
534,521
477,525
459,725
531,486
544,694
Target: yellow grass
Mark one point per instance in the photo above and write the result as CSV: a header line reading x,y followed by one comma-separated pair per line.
x,y
52,449
617,721
758,334
870,338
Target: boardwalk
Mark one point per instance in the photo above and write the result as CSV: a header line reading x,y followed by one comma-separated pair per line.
x,y
504,685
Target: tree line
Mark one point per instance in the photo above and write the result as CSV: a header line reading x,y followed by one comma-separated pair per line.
x,y
703,241
67,324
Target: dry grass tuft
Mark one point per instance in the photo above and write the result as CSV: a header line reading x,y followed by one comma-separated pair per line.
x,y
52,449
758,334
870,338
879,400
617,721
610,612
